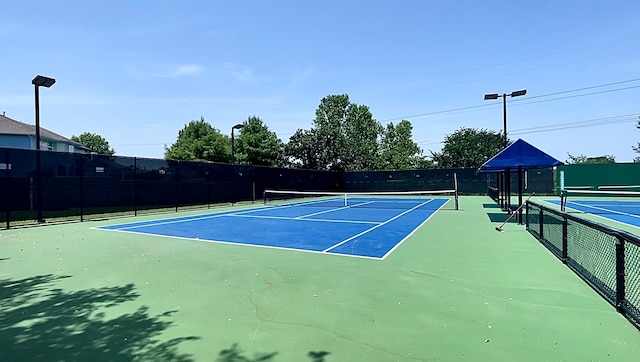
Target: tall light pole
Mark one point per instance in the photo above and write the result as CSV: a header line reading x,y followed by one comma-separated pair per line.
x,y
233,161
233,146
504,106
39,81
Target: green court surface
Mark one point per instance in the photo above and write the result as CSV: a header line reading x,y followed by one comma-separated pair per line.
x,y
456,290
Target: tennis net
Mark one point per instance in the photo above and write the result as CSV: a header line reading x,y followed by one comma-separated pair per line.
x,y
601,201
407,200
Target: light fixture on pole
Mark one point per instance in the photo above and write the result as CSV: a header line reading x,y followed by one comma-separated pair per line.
x,y
233,146
505,200
39,81
504,106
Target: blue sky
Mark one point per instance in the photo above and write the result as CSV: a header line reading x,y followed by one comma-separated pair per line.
x,y
136,72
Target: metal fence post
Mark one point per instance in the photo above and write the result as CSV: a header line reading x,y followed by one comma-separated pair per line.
x,y
81,156
541,224
7,191
565,239
620,277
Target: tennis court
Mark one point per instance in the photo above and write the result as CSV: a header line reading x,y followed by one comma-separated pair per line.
x,y
619,206
360,225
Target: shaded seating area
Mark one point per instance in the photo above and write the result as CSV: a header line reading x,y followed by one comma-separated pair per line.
x,y
518,158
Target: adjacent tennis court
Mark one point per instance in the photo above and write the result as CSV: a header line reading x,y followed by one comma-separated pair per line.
x,y
361,225
619,206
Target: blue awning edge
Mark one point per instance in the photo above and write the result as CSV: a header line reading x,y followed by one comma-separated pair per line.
x,y
519,154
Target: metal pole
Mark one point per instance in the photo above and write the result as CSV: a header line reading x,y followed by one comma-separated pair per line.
x,y
233,169
504,113
38,160
7,190
519,216
37,118
233,150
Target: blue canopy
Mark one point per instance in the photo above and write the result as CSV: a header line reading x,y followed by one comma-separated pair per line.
x,y
519,154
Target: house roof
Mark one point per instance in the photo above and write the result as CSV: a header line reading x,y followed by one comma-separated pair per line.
x,y
10,126
519,154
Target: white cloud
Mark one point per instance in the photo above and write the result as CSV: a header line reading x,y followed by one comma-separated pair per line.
x,y
187,69
166,71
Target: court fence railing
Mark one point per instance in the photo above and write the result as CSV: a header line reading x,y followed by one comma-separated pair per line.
x,y
606,258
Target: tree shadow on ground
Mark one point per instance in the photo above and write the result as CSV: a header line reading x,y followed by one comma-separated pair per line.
x,y
41,322
235,354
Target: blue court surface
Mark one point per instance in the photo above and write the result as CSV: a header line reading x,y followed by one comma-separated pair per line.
x,y
624,211
362,230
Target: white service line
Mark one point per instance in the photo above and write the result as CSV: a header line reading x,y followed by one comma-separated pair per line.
x,y
299,219
333,210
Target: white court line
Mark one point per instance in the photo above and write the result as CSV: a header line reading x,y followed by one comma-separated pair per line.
x,y
299,219
413,231
293,204
604,217
175,221
604,209
375,227
239,244
608,218
333,210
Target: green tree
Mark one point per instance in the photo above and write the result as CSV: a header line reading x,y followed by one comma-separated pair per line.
x,y
362,135
302,150
344,136
330,118
256,145
469,147
398,151
95,143
573,160
200,141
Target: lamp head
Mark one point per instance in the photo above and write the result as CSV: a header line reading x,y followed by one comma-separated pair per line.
x,y
42,81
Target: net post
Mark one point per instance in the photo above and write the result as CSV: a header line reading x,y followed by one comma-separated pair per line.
x,y
563,200
346,201
455,189
264,197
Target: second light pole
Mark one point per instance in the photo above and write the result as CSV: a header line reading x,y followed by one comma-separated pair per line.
x,y
233,161
504,106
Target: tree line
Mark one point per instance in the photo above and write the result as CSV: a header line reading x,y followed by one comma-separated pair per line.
x,y
343,136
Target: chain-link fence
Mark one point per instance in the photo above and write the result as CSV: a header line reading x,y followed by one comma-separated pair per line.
x,y
606,258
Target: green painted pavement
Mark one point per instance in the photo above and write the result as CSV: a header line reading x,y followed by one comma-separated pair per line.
x,y
457,290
